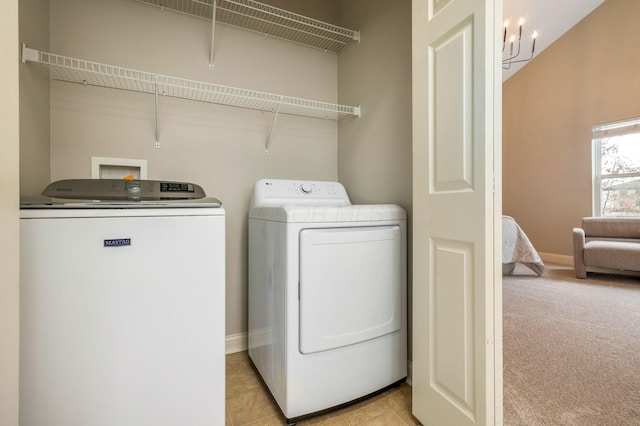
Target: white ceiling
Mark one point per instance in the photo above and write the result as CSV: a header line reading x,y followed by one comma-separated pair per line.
x,y
550,18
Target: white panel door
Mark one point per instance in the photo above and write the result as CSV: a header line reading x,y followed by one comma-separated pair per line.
x,y
350,285
457,340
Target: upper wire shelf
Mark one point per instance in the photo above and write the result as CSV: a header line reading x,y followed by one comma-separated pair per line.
x,y
96,74
265,19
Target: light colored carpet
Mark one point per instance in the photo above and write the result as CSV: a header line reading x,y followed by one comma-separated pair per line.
x,y
571,349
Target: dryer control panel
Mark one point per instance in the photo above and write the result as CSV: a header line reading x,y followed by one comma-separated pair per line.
x,y
278,192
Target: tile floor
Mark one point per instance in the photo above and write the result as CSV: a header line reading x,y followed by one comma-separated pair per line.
x,y
249,403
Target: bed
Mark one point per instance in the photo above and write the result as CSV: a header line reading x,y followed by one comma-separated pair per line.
x,y
516,248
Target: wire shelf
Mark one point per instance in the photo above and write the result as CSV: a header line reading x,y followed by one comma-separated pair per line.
x,y
96,74
265,19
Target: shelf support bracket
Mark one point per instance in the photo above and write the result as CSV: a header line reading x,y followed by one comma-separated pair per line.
x,y
28,54
213,34
273,124
155,85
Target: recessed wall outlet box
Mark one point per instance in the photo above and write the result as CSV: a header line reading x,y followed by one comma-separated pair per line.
x,y
118,168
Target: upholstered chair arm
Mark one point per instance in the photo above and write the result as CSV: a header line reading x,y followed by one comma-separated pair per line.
x,y
578,253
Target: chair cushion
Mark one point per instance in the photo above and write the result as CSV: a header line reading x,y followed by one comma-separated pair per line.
x,y
612,227
622,255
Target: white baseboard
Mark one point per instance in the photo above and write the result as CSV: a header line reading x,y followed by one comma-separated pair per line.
x,y
236,343
560,259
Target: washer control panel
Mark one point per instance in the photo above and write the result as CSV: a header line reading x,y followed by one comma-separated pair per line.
x,y
118,189
276,192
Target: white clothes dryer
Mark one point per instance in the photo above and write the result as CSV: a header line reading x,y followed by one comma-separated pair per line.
x,y
327,295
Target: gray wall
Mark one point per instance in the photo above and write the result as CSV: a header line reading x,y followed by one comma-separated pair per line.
x,y
587,77
35,167
374,152
9,228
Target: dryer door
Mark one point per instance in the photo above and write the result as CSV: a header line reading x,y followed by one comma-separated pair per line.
x,y
350,285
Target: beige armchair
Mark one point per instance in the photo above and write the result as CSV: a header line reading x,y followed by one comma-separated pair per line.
x,y
607,244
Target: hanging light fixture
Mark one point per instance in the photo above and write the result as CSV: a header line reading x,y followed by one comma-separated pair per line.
x,y
513,53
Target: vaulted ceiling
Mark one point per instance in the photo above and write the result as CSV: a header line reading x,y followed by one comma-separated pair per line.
x,y
550,18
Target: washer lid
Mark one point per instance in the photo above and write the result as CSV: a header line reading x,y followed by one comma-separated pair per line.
x,y
56,203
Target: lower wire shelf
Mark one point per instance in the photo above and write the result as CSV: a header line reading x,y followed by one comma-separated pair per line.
x,y
102,75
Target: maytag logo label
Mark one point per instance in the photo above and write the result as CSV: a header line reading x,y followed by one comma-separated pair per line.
x,y
118,242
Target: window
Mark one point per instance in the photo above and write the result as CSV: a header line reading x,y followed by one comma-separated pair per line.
x,y
616,169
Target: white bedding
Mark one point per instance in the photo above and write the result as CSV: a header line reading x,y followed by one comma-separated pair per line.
x,y
516,248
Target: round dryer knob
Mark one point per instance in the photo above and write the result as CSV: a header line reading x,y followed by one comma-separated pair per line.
x,y
306,188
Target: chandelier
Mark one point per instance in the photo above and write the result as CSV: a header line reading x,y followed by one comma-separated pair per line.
x,y
514,50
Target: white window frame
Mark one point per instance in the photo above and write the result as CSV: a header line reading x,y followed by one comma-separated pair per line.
x,y
618,128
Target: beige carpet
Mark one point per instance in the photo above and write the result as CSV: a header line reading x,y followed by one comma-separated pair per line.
x,y
571,349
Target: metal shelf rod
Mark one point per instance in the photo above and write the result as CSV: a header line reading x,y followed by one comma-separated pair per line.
x,y
213,35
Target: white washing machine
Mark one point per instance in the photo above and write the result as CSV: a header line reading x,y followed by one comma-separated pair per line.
x,y
327,295
122,305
